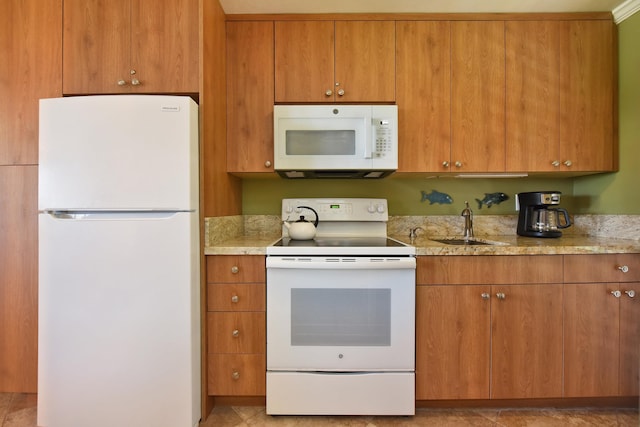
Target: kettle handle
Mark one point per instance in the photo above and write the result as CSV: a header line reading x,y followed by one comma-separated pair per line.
x,y
566,218
315,223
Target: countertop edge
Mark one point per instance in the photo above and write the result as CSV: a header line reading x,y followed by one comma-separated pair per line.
x,y
499,245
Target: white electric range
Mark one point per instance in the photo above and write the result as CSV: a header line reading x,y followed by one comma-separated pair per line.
x,y
341,314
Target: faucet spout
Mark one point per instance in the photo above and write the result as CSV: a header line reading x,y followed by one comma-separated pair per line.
x,y
467,213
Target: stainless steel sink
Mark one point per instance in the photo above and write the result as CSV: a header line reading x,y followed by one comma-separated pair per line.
x,y
470,242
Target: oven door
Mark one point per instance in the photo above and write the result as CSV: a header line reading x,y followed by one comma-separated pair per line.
x,y
340,314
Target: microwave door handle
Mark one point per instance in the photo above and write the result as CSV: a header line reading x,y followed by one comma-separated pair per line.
x,y
370,139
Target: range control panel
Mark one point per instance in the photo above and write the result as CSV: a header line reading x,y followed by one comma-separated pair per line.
x,y
347,209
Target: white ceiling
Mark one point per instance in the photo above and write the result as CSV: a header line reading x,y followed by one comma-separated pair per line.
x,y
416,6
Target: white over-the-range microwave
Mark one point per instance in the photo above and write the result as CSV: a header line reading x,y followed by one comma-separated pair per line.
x,y
335,141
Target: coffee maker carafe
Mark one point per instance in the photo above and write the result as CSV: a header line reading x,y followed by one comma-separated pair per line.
x,y
538,217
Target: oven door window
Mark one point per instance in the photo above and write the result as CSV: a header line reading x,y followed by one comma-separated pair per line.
x,y
340,317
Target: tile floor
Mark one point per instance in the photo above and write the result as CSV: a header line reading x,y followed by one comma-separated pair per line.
x,y
19,410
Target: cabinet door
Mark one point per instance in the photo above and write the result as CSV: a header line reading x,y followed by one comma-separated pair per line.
x,y
591,340
365,61
452,342
586,95
526,341
629,339
423,82
478,96
304,61
250,97
532,96
30,69
97,46
164,45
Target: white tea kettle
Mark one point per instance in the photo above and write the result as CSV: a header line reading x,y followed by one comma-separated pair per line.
x,y
302,229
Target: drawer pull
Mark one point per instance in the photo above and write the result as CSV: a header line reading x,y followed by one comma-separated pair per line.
x,y
630,294
235,269
235,375
236,333
616,294
234,299
485,295
501,295
623,268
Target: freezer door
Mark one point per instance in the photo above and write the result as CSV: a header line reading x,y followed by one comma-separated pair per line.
x,y
119,152
119,334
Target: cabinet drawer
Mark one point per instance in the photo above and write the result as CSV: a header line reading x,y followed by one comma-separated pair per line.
x,y
602,268
236,374
236,332
236,297
488,270
235,268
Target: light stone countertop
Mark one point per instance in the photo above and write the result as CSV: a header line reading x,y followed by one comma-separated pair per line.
x,y
590,234
501,245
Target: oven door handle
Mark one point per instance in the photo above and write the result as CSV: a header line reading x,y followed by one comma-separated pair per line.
x,y
341,263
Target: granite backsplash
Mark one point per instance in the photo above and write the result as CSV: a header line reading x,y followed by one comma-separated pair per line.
x,y
219,229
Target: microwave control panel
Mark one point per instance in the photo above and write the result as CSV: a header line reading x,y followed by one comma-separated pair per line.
x,y
383,136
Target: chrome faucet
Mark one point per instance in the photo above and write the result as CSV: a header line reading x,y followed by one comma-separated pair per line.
x,y
467,213
413,233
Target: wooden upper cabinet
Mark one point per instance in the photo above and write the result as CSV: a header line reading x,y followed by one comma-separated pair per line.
x,y
250,96
130,46
304,61
342,61
30,69
478,96
533,95
559,96
423,84
587,96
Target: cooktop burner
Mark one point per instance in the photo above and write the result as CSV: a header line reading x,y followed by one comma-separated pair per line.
x,y
360,242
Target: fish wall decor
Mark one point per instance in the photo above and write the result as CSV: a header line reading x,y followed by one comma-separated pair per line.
x,y
492,199
436,197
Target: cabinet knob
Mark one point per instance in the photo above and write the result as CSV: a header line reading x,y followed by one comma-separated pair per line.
x,y
329,92
235,375
501,295
235,299
631,293
567,163
341,92
267,164
445,164
616,294
135,82
122,82
623,268
555,163
235,333
485,295
458,164
235,269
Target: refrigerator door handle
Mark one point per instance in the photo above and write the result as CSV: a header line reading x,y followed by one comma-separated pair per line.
x,y
112,215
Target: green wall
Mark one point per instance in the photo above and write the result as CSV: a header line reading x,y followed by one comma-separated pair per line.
x,y
619,193
615,193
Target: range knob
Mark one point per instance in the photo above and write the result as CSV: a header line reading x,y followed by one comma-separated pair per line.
x,y
380,208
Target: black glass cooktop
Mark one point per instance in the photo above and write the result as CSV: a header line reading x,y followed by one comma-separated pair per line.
x,y
358,242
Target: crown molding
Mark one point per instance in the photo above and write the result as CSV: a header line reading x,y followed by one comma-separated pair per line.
x,y
625,10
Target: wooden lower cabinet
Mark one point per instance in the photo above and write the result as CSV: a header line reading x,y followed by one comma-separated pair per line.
x,y
488,331
481,342
236,325
602,325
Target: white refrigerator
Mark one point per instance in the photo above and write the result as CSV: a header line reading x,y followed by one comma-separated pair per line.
x,y
119,262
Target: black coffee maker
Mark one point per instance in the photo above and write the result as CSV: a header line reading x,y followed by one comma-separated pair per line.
x,y
537,217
